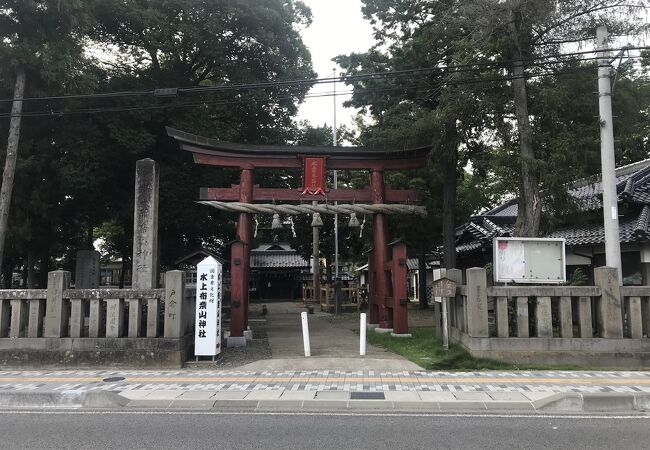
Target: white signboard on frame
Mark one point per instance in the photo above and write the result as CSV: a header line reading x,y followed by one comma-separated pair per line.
x,y
207,336
529,260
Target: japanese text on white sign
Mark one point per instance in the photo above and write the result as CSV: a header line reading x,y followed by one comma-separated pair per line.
x,y
207,338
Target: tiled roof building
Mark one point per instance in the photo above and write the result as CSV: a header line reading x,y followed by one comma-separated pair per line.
x,y
585,242
276,256
276,271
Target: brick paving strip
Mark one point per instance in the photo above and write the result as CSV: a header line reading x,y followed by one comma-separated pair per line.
x,y
542,381
533,391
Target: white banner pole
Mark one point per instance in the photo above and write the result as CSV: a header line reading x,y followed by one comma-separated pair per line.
x,y
305,333
445,324
362,335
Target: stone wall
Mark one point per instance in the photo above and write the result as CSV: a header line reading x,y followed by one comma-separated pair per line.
x,y
166,353
59,326
602,326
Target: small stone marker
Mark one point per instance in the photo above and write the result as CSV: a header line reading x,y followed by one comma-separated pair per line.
x,y
87,276
87,270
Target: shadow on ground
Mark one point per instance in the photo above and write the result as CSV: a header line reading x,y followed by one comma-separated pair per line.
x,y
278,343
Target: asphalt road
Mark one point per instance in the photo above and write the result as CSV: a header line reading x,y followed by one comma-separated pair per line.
x,y
177,430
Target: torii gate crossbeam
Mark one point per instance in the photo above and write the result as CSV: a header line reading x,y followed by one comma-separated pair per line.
x,y
388,293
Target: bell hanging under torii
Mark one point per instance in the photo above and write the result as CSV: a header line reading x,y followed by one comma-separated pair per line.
x,y
354,222
276,224
317,221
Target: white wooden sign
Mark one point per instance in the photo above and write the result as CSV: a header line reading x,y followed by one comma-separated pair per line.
x,y
207,337
529,260
443,287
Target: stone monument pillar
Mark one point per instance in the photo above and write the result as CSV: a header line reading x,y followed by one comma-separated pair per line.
x,y
145,245
145,225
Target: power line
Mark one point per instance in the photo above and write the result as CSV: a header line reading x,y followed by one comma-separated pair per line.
x,y
313,81
435,88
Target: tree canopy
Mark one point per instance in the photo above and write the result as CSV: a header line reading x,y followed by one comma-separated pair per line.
x,y
501,90
505,93
80,152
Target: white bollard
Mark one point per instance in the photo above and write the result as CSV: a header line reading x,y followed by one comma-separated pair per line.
x,y
362,335
305,333
445,324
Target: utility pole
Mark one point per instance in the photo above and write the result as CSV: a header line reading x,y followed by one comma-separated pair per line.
x,y
607,157
336,185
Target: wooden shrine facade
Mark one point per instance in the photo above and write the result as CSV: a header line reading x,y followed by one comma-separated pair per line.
x,y
387,301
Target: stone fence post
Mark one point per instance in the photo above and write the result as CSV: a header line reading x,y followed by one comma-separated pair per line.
x,y
477,313
455,275
437,309
610,321
174,298
57,310
452,305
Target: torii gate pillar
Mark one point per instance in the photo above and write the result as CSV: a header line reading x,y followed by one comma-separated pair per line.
x,y
400,301
380,253
240,266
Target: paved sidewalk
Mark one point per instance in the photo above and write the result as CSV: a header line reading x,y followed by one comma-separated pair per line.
x,y
330,336
331,389
278,344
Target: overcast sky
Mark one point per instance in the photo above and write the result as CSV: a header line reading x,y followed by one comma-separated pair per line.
x,y
338,28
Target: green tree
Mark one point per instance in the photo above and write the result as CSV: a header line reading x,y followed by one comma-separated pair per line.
x,y
508,44
193,43
78,168
528,33
40,44
419,108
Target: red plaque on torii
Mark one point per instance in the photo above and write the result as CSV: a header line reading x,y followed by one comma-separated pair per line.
x,y
313,175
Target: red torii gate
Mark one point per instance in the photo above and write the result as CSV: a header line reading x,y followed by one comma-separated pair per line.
x,y
387,287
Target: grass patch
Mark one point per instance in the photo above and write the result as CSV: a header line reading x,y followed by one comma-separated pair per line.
x,y
425,350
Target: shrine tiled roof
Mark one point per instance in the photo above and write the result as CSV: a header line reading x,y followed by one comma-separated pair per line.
x,y
508,209
631,229
632,186
482,231
633,189
276,255
277,260
414,264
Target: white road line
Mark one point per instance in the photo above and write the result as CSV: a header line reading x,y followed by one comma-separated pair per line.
x,y
344,414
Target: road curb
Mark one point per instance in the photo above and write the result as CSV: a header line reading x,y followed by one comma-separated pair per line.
x,y
554,403
63,399
570,402
594,402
